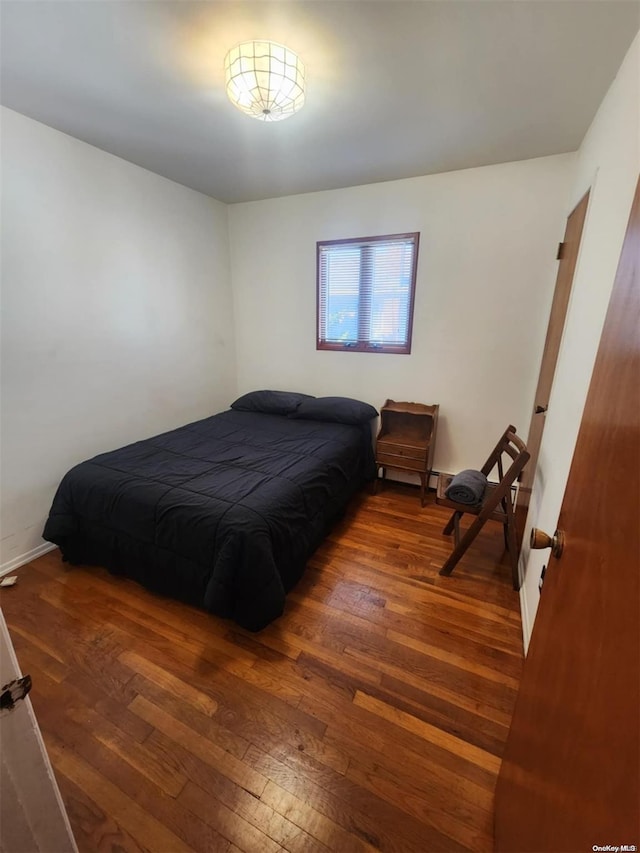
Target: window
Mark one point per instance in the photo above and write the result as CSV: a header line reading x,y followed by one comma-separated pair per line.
x,y
365,293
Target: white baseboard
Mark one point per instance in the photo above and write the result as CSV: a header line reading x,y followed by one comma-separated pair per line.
x,y
33,554
409,479
526,620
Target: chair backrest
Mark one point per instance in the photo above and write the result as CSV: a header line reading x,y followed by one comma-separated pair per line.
x,y
512,446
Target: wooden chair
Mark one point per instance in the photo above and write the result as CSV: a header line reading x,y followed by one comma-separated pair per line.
x,y
497,502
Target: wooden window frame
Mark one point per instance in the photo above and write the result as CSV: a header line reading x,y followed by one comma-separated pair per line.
x,y
363,345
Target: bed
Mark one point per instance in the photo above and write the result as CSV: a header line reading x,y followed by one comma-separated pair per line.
x,y
222,513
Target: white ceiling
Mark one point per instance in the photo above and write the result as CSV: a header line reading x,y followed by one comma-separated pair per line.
x,y
395,89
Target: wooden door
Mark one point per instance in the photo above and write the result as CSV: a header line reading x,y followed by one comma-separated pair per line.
x,y
564,281
570,775
32,815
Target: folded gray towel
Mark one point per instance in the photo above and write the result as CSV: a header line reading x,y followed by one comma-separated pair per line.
x,y
467,487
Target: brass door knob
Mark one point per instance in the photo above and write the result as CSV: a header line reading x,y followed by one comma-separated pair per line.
x,y
540,539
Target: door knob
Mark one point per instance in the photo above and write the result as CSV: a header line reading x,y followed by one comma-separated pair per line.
x,y
541,409
540,539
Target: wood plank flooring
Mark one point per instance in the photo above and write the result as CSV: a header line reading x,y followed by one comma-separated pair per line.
x,y
371,716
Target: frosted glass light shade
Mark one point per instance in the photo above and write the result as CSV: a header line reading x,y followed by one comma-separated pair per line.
x,y
265,80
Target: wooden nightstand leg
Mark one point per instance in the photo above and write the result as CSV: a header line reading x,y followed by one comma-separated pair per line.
x,y
423,486
376,482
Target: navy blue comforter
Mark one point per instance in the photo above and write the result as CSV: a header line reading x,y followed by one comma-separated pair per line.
x,y
222,513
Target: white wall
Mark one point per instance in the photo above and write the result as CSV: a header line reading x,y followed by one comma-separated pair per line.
x,y
117,318
609,162
485,280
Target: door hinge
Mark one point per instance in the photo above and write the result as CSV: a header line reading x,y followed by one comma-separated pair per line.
x,y
560,254
14,691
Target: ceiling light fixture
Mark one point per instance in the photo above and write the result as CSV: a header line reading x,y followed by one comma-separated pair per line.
x,y
265,80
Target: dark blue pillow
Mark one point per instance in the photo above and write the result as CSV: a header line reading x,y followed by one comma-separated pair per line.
x,y
270,402
340,410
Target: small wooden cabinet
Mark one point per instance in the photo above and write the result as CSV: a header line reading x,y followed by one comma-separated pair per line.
x,y
406,439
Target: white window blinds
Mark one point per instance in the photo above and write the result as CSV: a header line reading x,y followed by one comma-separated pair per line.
x,y
365,293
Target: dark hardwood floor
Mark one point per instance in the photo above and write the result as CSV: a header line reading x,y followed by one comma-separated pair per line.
x,y
371,716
